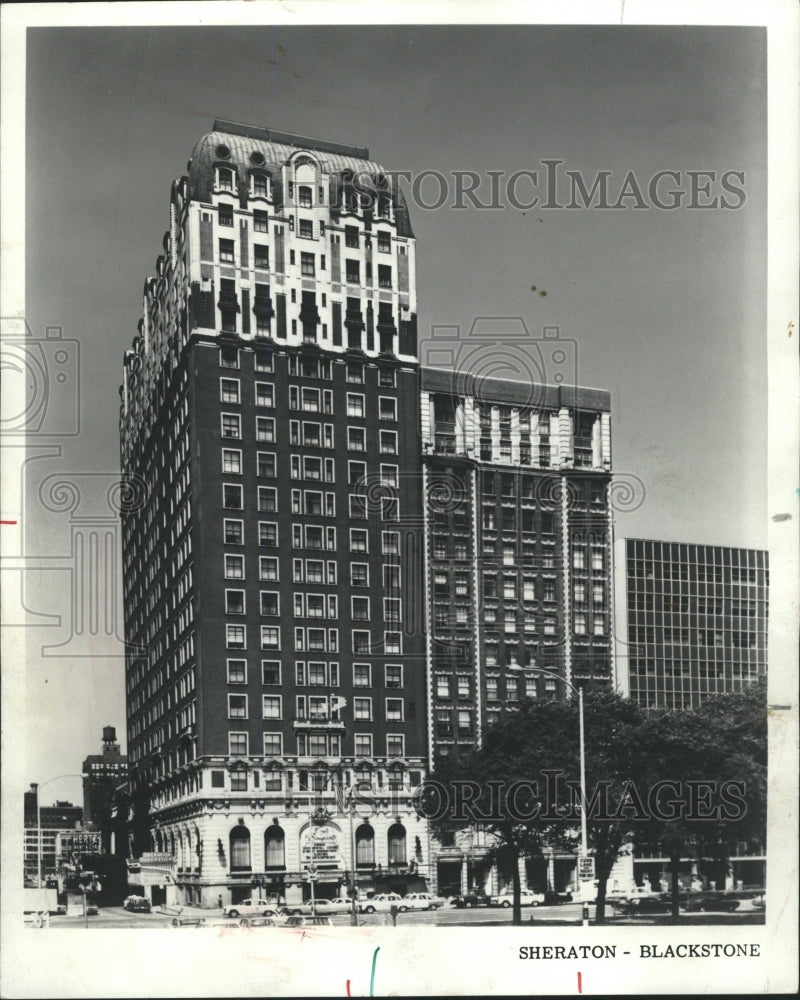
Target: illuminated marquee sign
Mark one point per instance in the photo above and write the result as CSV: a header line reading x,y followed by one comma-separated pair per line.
x,y
320,845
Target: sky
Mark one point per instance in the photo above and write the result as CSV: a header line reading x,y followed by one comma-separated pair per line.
x,y
665,309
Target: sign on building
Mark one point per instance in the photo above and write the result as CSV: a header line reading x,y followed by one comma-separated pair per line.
x,y
320,845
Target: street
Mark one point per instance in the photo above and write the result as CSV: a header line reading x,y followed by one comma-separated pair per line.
x,y
567,914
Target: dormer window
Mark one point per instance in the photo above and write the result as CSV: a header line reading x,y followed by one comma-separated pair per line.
x,y
224,178
259,185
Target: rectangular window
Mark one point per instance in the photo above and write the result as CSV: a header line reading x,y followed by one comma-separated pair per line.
x,y
358,540
394,709
231,425
362,709
395,746
306,229
267,499
237,706
273,747
390,543
270,672
271,706
360,609
233,532
234,602
270,604
384,276
261,256
237,671
362,675
237,744
355,405
260,222
388,442
234,567
307,265
226,252
387,408
363,745
392,643
231,496
265,429
231,461
356,439
265,394
267,533
270,637
229,390
362,642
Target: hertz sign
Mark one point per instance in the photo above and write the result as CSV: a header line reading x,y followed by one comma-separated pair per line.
x,y
80,843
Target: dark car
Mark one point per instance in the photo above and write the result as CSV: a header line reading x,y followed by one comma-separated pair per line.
x,y
552,898
470,899
138,904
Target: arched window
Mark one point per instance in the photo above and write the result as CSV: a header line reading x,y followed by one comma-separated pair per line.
x,y
365,847
240,849
275,848
397,844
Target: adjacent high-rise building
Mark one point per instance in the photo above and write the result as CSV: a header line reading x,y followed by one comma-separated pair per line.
x,y
44,826
102,773
268,436
693,622
519,544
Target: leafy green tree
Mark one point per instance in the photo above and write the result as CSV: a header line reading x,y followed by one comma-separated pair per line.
x,y
505,785
717,754
614,773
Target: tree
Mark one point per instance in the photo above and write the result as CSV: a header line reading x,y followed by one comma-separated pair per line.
x,y
502,786
614,772
715,757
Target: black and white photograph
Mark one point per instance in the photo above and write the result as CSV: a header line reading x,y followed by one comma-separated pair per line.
x,y
399,499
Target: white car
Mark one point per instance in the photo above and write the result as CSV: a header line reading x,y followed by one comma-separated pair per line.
x,y
321,907
526,898
250,907
420,901
381,903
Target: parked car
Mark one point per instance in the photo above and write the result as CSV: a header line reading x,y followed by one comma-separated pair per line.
x,y
719,904
138,904
260,922
301,921
322,907
470,899
420,901
248,907
641,904
382,903
526,898
552,898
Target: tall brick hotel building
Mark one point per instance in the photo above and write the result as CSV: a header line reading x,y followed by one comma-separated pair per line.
x,y
306,607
